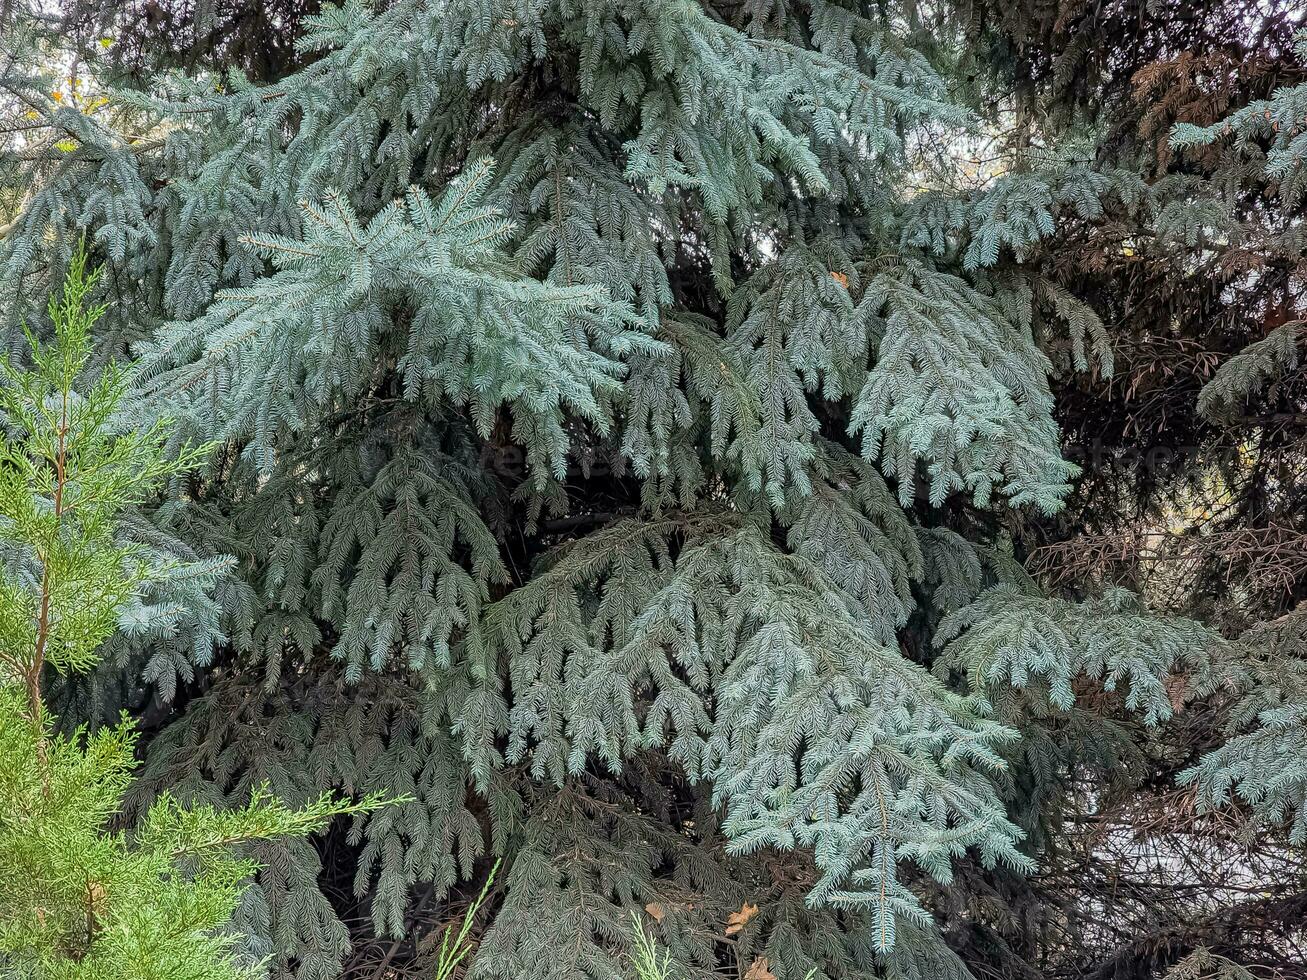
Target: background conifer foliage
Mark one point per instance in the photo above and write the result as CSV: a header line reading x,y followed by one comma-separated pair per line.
x,y
647,438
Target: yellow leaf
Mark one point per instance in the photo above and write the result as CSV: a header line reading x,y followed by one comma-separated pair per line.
x,y
106,42
738,920
67,146
57,96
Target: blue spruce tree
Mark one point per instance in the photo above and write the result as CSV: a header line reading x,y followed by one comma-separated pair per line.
x,y
619,405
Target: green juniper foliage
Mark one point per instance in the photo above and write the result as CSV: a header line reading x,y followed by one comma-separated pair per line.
x,y
618,407
78,898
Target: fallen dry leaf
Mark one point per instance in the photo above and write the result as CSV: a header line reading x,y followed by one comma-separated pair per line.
x,y
738,920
